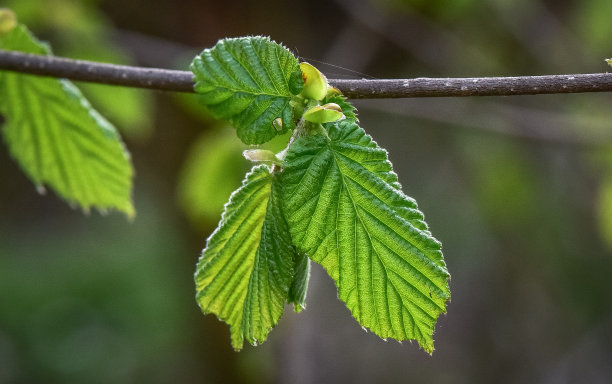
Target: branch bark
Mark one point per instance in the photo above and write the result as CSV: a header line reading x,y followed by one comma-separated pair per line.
x,y
182,81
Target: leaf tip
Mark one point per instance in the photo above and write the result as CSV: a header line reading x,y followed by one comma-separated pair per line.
x,y
41,190
130,212
298,307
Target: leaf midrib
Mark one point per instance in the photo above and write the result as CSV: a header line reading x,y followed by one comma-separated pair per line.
x,y
344,185
387,280
236,91
380,199
254,270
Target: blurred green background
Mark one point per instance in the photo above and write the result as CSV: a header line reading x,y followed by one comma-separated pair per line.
x,y
518,189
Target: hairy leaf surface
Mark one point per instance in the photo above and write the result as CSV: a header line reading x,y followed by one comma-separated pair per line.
x,y
249,81
59,139
246,269
346,210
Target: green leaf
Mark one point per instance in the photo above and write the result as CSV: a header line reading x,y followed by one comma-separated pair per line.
x,y
249,81
345,209
297,292
213,168
81,31
59,139
246,269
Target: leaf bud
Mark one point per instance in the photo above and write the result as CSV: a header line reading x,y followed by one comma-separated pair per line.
x,y
8,20
315,83
261,155
324,113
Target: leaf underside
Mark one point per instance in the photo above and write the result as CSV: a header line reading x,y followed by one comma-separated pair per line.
x,y
249,81
345,209
247,268
59,139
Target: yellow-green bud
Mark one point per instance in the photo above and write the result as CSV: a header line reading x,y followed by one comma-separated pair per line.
x,y
278,124
8,20
324,113
315,83
333,91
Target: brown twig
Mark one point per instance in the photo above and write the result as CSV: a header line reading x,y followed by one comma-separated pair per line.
x,y
182,81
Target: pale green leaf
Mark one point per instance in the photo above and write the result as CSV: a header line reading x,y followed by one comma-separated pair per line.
x,y
345,209
249,81
246,269
59,140
348,109
324,113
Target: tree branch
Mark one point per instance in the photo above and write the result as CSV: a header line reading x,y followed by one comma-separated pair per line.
x,y
80,70
182,81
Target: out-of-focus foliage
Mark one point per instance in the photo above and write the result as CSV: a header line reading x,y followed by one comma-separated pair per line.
x,y
605,211
213,168
346,211
58,139
82,308
593,25
443,10
507,184
79,30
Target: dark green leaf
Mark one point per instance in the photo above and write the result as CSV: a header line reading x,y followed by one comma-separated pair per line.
x,y
249,81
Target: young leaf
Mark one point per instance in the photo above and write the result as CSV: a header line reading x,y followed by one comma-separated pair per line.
x,y
249,81
346,211
59,139
348,109
315,83
246,269
324,113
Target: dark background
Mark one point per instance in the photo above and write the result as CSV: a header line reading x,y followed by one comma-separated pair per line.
x,y
518,189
